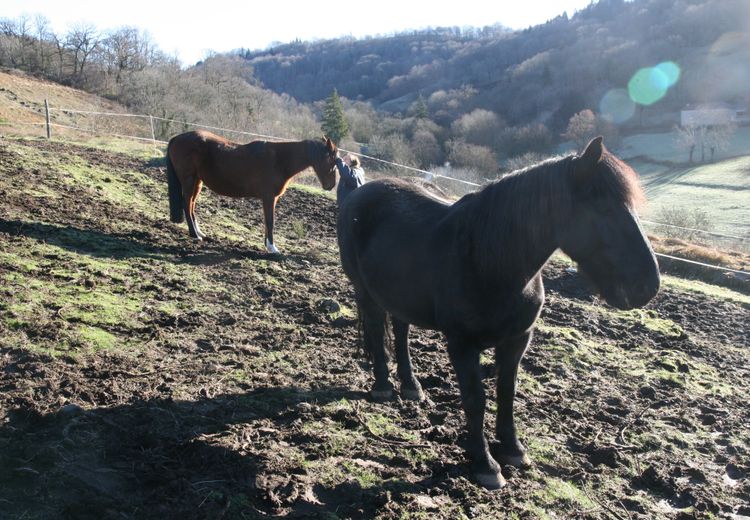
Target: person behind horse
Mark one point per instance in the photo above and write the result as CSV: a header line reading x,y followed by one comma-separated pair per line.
x,y
351,176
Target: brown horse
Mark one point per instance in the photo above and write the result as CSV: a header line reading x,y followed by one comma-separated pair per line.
x,y
258,169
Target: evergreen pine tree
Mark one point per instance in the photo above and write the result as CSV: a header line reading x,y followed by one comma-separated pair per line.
x,y
420,108
334,122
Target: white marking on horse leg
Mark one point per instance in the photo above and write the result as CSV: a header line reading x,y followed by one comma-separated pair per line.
x,y
271,248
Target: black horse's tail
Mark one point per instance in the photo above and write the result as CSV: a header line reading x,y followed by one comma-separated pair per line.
x,y
176,203
390,348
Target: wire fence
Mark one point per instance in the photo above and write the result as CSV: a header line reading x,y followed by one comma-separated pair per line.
x,y
426,174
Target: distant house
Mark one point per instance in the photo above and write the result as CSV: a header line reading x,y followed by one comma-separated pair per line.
x,y
714,115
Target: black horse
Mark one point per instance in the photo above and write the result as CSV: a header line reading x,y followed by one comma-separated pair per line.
x,y
473,271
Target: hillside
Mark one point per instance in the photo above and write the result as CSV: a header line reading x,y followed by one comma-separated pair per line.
x,y
22,108
143,375
544,74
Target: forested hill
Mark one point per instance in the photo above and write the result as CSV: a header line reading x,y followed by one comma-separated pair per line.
x,y
544,73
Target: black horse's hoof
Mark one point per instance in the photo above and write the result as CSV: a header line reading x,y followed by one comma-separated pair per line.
x,y
381,395
519,461
490,480
413,394
517,457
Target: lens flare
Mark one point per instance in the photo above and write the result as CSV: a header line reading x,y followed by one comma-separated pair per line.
x,y
648,85
616,106
671,70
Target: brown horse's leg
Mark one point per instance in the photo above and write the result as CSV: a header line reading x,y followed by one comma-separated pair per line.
x,y
188,190
465,359
508,355
269,207
196,193
410,387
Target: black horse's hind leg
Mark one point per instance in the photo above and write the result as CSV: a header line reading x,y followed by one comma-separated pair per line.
x,y
373,323
465,360
410,387
508,355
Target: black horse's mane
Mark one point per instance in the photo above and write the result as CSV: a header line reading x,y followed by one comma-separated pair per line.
x,y
526,206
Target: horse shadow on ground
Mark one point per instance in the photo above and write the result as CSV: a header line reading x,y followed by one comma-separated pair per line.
x,y
135,244
162,458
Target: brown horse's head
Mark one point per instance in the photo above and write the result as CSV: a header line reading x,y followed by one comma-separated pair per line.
x,y
324,162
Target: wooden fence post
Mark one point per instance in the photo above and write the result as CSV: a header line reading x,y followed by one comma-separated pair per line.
x,y
153,135
46,110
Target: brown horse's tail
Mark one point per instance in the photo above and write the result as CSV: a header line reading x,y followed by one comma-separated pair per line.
x,y
176,203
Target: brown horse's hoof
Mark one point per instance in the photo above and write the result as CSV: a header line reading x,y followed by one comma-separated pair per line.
x,y
490,480
271,248
381,395
412,394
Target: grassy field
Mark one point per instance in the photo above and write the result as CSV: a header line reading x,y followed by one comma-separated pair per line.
x,y
143,375
720,189
146,376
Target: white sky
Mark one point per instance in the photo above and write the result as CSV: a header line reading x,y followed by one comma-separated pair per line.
x,y
191,29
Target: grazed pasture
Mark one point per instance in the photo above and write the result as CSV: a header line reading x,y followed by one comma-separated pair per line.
x,y
145,376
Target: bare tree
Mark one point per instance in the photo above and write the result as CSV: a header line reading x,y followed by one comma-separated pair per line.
x,y
717,137
687,138
42,35
58,45
82,40
124,50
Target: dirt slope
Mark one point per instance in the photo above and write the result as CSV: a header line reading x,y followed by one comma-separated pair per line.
x,y
145,376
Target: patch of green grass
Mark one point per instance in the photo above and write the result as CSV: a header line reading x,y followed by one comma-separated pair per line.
x,y
713,291
298,229
365,477
385,426
650,319
15,262
97,338
542,446
562,495
315,190
140,149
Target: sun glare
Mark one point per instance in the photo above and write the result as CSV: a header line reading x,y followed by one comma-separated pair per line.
x,y
650,84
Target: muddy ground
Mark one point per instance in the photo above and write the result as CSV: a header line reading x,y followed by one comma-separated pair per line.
x,y
143,375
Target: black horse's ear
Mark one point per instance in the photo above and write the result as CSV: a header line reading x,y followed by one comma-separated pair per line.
x,y
590,156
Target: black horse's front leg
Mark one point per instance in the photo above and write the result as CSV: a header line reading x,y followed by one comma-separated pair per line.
x,y
508,356
269,207
465,360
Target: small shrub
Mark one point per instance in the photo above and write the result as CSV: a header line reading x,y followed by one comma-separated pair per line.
x,y
682,217
298,228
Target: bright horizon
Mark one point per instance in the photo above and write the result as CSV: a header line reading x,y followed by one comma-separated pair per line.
x,y
192,35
